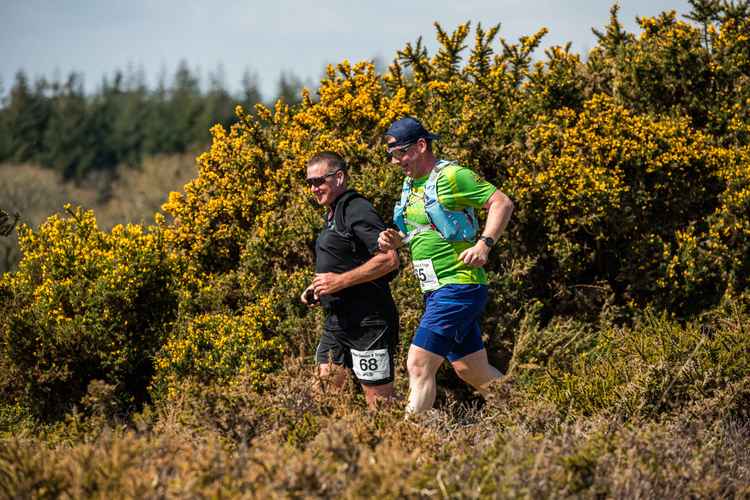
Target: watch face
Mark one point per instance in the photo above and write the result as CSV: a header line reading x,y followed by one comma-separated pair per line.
x,y
487,240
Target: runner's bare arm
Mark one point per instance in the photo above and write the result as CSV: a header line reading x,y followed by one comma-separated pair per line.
x,y
379,265
500,208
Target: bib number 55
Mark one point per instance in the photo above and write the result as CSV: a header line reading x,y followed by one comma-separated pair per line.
x,y
425,272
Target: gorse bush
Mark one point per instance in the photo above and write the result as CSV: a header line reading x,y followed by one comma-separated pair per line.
x,y
603,196
619,205
217,347
84,305
607,190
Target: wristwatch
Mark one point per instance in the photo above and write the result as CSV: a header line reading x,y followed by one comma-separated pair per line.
x,y
487,241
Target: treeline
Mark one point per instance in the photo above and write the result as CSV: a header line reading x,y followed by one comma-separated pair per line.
x,y
55,123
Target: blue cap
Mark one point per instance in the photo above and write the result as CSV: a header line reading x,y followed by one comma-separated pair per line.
x,y
407,131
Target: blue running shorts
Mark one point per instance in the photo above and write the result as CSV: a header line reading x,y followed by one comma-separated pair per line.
x,y
450,323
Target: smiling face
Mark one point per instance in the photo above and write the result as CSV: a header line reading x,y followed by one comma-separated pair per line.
x,y
412,158
326,184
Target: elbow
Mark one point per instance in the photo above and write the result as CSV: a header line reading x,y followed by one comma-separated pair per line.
x,y
500,203
509,206
392,261
504,203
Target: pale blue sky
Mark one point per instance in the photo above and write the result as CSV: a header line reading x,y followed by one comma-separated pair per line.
x,y
51,38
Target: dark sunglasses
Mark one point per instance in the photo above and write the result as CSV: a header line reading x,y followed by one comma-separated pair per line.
x,y
399,151
319,181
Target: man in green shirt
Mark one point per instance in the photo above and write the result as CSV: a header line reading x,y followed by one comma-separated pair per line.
x,y
436,219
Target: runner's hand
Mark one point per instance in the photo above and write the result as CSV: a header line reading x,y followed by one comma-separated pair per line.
x,y
327,283
390,239
475,256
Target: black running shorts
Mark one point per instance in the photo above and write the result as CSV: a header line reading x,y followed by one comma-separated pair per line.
x,y
368,349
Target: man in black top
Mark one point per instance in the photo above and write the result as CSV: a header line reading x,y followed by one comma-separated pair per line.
x,y
351,283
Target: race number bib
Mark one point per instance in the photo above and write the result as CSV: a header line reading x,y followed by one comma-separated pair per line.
x,y
371,365
426,275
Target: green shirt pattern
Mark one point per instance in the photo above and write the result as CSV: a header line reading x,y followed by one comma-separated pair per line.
x,y
458,188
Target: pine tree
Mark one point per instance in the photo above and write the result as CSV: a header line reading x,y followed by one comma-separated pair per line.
x,y
217,107
27,115
65,141
5,144
183,109
131,111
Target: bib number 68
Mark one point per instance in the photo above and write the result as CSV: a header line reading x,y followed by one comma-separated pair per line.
x,y
371,365
368,364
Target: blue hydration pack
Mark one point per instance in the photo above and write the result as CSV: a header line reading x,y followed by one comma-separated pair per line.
x,y
452,225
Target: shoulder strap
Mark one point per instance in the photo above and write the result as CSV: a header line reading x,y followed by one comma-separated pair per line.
x,y
441,164
453,225
430,188
339,219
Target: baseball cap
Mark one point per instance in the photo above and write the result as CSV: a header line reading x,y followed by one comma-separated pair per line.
x,y
407,131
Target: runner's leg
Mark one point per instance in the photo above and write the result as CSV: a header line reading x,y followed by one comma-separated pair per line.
x,y
422,366
376,393
476,370
372,348
333,374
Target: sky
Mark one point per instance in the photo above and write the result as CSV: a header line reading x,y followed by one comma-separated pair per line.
x,y
51,38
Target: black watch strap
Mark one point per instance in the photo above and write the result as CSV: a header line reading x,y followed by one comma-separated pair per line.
x,y
487,241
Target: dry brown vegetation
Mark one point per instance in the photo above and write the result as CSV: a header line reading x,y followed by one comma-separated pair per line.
x,y
289,440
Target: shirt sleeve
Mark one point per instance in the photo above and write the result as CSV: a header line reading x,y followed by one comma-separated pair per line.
x,y
460,187
365,223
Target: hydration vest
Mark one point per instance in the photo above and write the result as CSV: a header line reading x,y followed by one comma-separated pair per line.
x,y
452,225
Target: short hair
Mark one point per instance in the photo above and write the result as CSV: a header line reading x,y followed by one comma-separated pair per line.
x,y
333,161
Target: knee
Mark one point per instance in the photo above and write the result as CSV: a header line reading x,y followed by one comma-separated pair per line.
x,y
417,369
333,374
422,365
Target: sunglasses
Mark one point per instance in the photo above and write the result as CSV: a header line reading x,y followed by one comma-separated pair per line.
x,y
319,181
399,151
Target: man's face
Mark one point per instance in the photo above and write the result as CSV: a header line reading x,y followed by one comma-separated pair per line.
x,y
405,155
325,185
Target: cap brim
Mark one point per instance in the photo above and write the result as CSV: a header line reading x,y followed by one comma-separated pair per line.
x,y
429,137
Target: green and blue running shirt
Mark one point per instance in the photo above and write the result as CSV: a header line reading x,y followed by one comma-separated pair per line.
x,y
458,188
